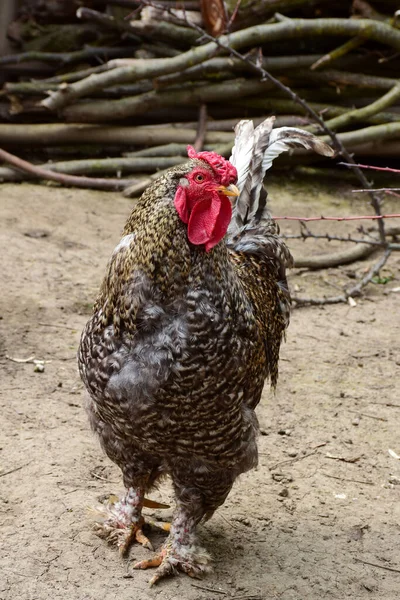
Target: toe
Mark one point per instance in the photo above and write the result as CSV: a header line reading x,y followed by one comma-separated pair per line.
x,y
164,526
142,539
135,534
150,562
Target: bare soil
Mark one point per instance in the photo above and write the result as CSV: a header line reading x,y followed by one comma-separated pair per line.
x,y
307,524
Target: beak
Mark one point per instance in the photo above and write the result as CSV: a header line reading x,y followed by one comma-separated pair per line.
x,y
231,190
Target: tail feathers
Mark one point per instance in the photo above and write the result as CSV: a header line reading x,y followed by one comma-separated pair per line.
x,y
253,153
286,138
247,156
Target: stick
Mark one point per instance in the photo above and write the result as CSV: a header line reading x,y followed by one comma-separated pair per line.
x,y
371,564
106,111
349,480
357,412
58,134
350,293
85,182
289,106
224,64
14,470
103,166
342,257
352,218
67,58
359,114
107,21
292,460
388,169
201,128
208,589
344,78
338,52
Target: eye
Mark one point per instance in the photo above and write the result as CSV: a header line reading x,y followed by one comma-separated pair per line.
x,y
199,178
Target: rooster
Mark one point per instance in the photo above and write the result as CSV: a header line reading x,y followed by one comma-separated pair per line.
x,y
185,331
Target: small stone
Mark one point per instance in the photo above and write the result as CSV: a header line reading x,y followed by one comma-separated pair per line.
x,y
356,421
394,480
292,453
284,493
369,584
285,431
39,368
36,233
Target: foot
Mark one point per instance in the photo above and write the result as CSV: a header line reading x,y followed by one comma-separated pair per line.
x,y
122,535
173,557
120,523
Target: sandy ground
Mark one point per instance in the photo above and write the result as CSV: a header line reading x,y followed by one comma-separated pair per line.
x,y
324,501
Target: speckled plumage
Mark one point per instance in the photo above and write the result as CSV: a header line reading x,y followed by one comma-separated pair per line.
x,y
175,357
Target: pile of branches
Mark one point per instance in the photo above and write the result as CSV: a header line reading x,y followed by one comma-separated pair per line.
x,y
125,85
143,78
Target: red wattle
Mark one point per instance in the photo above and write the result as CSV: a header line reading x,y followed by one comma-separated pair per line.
x,y
209,220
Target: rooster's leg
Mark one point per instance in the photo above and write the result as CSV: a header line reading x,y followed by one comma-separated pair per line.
x,y
121,523
198,492
180,551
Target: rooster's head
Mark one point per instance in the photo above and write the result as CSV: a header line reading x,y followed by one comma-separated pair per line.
x,y
201,197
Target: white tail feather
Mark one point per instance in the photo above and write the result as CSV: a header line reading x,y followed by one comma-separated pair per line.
x,y
242,151
283,139
253,153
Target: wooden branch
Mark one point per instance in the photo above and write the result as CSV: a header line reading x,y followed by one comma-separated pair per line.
x,y
59,134
107,21
253,36
69,180
137,189
201,128
346,78
67,58
350,292
361,114
284,106
368,134
101,166
171,149
165,31
342,257
230,64
338,52
106,111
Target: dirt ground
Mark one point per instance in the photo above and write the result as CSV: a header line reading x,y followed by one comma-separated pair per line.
x,y
307,524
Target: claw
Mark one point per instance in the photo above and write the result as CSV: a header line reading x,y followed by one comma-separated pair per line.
x,y
135,534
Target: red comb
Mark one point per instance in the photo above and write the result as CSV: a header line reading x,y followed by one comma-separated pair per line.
x,y
219,164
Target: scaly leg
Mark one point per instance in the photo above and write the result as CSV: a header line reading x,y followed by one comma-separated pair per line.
x,y
121,523
199,492
180,551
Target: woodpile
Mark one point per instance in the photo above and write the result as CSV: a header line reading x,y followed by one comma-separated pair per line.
x,y
124,85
